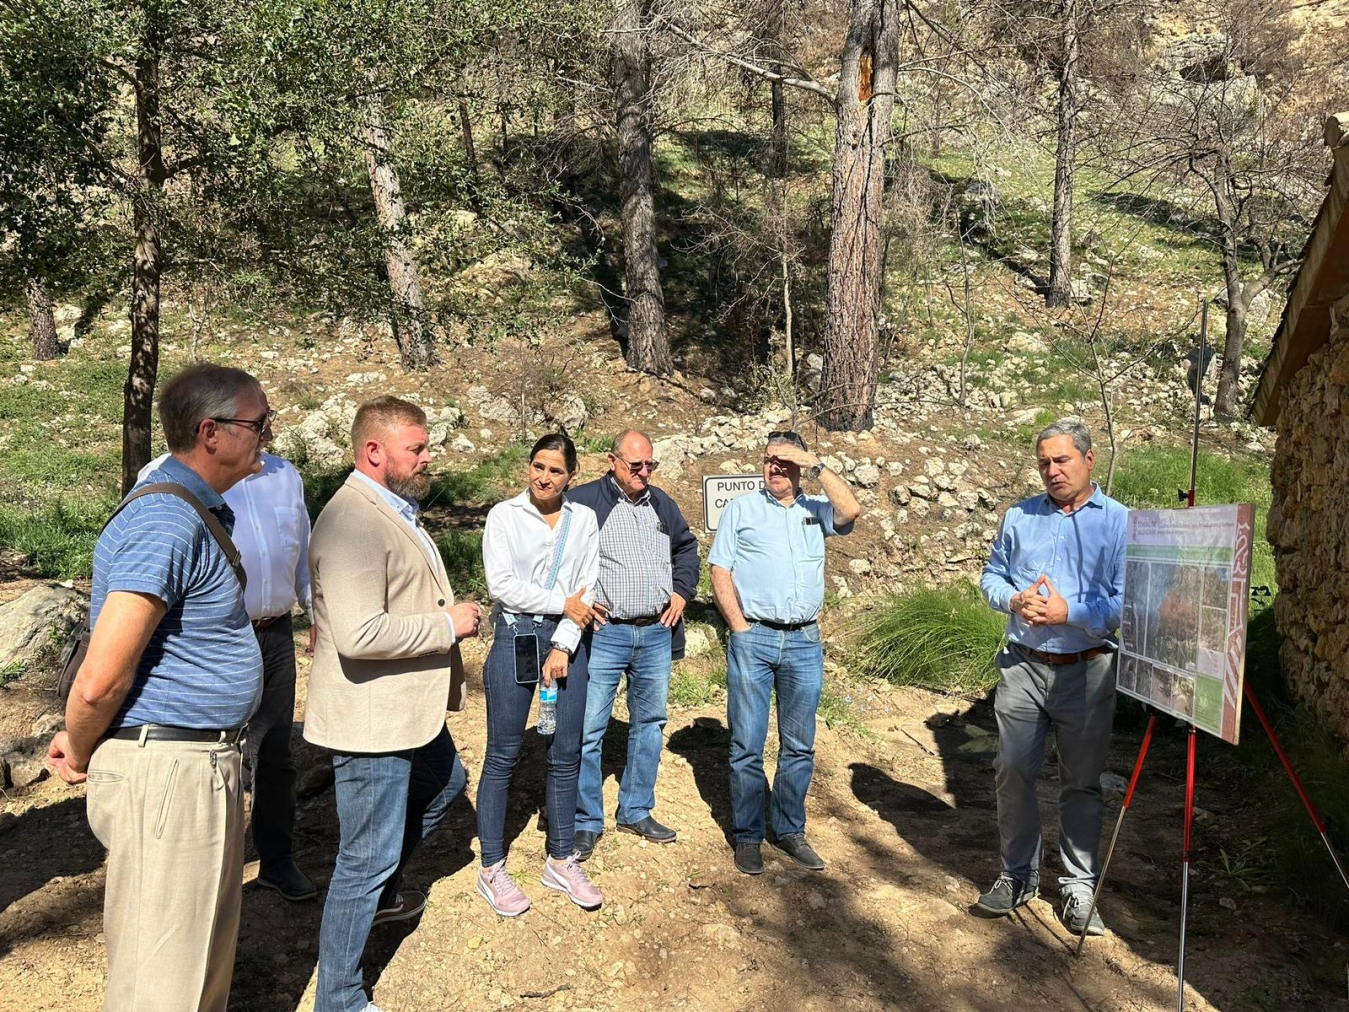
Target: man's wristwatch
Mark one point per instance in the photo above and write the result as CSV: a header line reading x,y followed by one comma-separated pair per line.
x,y
814,472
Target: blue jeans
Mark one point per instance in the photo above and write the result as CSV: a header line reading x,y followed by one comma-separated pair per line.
x,y
643,652
758,661
507,714
1078,701
387,804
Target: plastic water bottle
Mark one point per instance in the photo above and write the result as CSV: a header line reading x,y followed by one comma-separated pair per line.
x,y
548,708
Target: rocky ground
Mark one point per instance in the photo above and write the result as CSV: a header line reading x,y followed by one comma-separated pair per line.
x,y
903,811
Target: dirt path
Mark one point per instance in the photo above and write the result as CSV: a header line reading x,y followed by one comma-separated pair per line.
x,y
904,816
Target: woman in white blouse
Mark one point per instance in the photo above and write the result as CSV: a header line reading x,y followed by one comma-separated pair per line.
x,y
541,554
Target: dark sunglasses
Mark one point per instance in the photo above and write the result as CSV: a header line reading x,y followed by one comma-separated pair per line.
x,y
258,425
787,436
635,466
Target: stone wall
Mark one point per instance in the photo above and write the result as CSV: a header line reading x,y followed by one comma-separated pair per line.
x,y
1309,528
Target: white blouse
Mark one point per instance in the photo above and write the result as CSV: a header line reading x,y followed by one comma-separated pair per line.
x,y
517,555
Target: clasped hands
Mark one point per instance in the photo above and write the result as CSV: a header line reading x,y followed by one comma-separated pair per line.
x,y
1036,608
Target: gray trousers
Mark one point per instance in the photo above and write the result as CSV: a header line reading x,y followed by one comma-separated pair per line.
x,y
1078,701
268,742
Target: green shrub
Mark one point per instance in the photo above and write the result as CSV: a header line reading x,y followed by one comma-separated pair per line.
x,y
1150,477
57,540
940,638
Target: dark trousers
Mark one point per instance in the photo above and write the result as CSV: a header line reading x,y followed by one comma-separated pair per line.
x,y
271,767
507,714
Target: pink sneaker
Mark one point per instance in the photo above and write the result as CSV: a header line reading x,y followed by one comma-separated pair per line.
x,y
500,891
567,876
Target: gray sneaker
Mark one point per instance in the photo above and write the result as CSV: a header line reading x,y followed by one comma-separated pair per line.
x,y
1074,915
1004,896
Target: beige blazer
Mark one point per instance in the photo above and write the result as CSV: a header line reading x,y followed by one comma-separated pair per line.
x,y
385,668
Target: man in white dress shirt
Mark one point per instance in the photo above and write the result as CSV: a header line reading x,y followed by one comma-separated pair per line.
x,y
271,531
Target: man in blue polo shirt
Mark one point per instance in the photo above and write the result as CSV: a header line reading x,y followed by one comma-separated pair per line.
x,y
1057,571
767,565
156,712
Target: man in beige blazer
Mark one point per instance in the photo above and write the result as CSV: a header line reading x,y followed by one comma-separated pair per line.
x,y
386,667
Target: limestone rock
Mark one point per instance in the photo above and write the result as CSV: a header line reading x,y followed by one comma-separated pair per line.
x,y
867,475
36,625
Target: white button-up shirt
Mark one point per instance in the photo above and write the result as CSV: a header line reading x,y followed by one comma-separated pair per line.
x,y
517,555
271,531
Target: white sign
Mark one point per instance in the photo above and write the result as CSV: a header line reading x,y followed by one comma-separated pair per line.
x,y
719,489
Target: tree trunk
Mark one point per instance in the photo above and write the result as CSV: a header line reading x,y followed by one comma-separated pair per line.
x,y
1226,405
466,132
648,345
409,307
777,155
41,323
1061,243
864,106
143,368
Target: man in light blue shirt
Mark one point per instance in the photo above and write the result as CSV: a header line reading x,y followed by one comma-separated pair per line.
x,y
1057,570
767,566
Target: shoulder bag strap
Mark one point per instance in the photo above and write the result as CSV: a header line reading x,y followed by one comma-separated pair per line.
x,y
213,524
558,548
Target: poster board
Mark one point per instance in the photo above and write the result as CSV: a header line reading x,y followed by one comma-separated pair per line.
x,y
719,489
1186,599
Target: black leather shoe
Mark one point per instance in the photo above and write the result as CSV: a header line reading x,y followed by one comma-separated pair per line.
x,y
747,857
796,847
584,843
289,881
649,829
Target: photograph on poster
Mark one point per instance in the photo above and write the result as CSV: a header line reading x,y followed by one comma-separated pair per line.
x,y
1183,620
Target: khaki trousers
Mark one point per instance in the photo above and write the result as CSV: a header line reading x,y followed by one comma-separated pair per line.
x,y
171,816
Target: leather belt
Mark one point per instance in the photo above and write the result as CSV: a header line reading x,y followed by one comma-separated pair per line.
x,y
267,623
157,732
644,620
1060,660
782,626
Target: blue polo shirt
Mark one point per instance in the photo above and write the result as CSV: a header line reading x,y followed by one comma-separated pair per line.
x,y
1081,552
776,554
202,667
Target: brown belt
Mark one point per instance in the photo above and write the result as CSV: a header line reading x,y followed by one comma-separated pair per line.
x,y
1059,660
267,623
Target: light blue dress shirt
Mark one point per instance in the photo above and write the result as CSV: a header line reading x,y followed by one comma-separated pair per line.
x,y
1081,552
775,554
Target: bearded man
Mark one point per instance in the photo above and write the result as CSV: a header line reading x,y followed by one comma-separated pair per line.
x,y
386,668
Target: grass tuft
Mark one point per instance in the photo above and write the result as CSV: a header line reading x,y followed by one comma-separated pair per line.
x,y
58,540
462,553
939,638
697,684
487,481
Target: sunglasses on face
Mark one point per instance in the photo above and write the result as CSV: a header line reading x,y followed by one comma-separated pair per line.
x,y
636,466
257,425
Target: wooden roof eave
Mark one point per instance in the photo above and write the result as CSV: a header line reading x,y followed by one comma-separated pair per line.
x,y
1321,281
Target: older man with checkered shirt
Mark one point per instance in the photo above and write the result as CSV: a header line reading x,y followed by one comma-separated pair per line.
x,y
648,573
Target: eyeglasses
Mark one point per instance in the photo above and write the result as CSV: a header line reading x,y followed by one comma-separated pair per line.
x,y
635,466
258,425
